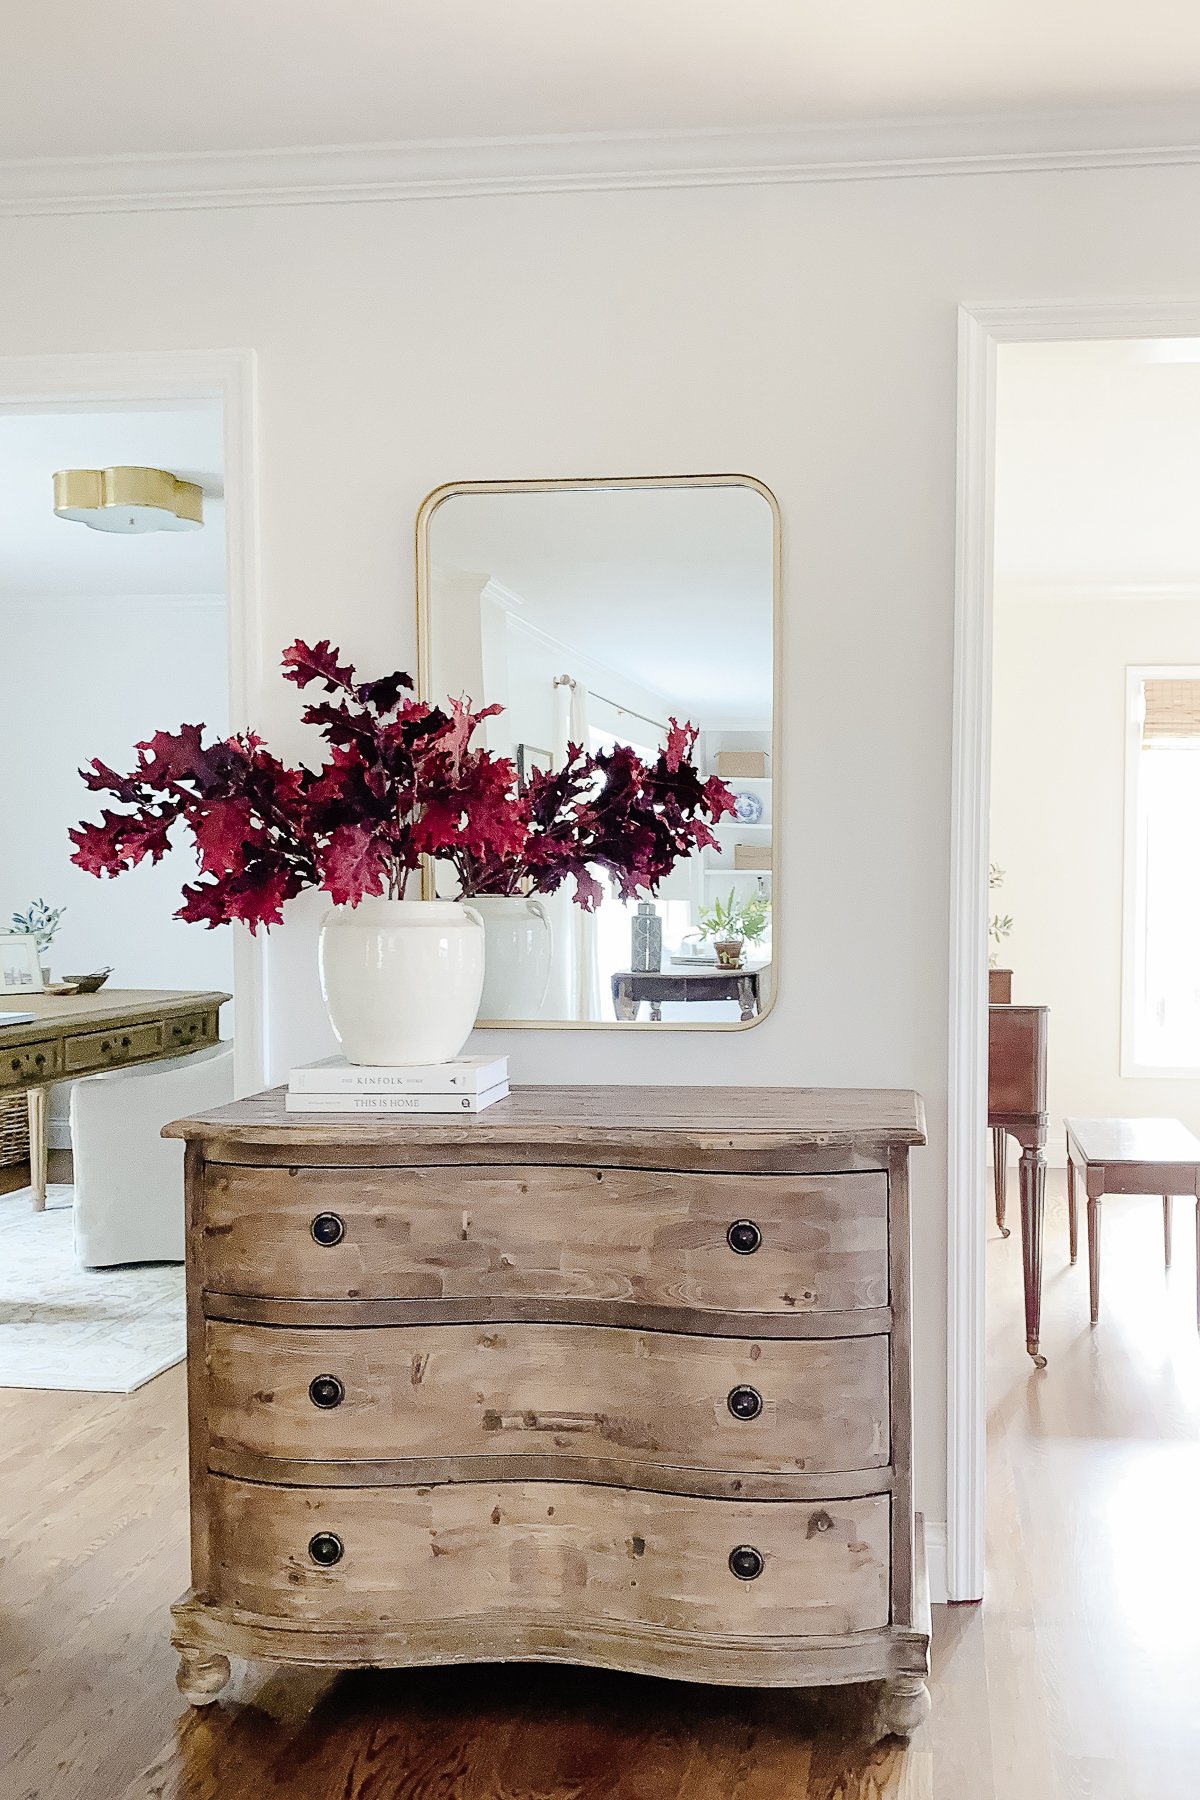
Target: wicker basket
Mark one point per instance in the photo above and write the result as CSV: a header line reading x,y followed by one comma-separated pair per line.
x,y
14,1130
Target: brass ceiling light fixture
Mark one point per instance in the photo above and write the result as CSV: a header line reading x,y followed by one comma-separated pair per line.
x,y
128,500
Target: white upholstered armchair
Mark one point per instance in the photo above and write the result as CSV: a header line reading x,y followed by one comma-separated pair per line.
x,y
129,1180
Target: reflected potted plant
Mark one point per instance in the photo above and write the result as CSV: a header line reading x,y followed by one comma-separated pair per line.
x,y
733,923
999,927
41,923
609,813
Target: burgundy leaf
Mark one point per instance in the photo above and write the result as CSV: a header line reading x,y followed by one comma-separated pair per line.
x,y
170,757
102,780
221,831
383,696
352,865
303,663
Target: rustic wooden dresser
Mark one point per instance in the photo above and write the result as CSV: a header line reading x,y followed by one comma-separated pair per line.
x,y
605,1375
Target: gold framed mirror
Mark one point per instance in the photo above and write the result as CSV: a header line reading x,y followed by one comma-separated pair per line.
x,y
598,616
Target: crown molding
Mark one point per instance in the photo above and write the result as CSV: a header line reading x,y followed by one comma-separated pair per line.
x,y
996,143
82,597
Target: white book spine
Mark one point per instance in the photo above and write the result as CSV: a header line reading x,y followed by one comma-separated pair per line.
x,y
448,1080
446,1104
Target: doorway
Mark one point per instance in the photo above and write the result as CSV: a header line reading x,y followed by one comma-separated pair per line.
x,y
982,334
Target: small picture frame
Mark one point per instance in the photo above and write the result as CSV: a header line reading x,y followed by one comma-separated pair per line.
x,y
20,967
532,761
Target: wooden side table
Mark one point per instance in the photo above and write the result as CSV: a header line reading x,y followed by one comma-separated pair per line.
x,y
1017,1062
1130,1156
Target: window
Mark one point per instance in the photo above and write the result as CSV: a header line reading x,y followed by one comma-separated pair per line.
x,y
1161,999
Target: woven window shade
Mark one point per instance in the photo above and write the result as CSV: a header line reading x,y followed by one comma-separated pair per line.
x,y
1172,710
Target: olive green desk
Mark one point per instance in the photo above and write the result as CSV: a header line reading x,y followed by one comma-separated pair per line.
x,y
79,1034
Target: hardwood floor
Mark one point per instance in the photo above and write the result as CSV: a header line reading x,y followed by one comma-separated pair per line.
x,y
1077,1680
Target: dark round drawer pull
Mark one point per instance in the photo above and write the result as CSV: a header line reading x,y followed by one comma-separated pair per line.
x,y
744,1402
744,1237
39,1059
326,1391
16,1063
746,1562
328,1229
326,1549
124,1043
105,1047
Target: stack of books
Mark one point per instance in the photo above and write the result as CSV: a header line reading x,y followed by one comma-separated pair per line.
x,y
466,1085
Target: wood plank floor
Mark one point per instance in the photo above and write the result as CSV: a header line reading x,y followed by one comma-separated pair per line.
x,y
1077,1681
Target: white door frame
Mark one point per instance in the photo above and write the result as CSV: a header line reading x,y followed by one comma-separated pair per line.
x,y
980,329
124,378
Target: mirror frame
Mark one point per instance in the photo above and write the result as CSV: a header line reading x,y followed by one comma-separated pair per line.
x,y
568,484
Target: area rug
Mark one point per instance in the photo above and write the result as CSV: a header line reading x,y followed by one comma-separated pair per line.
x,y
102,1331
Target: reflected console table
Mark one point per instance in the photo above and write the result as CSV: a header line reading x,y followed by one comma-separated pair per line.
x,y
631,986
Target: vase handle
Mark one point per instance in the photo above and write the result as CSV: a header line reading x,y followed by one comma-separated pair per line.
x,y
472,914
538,910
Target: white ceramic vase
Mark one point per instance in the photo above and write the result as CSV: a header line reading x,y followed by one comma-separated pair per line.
x,y
402,979
517,964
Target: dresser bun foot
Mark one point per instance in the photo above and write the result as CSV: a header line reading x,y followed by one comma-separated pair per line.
x,y
903,1707
201,1675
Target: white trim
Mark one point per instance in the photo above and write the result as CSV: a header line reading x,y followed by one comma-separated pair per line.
x,y
970,786
935,1561
1135,136
158,601
1132,895
124,378
981,328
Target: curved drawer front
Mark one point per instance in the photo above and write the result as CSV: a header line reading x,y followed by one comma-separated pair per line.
x,y
363,1556
807,1243
785,1405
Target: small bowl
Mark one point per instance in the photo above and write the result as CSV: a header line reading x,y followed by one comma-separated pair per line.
x,y
88,984
60,988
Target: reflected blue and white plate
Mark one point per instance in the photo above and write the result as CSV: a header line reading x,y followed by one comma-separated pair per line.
x,y
747,809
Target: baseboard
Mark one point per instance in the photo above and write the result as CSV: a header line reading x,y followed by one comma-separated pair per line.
x,y
935,1560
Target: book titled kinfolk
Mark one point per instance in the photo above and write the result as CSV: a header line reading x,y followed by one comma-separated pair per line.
x,y
464,1075
380,1101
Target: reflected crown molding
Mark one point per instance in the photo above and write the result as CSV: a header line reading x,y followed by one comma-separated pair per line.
x,y
990,143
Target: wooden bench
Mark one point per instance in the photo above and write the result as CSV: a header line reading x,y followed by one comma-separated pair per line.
x,y
1130,1156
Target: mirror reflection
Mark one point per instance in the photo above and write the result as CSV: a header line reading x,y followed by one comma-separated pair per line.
x,y
626,634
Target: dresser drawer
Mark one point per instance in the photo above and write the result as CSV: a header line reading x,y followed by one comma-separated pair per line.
x,y
108,1049
23,1063
354,1556
623,1398
789,1244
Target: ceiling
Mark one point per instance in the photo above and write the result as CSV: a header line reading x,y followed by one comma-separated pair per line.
x,y
43,557
129,78
670,587
1098,466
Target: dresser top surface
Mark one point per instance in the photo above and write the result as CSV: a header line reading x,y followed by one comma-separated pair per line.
x,y
589,1115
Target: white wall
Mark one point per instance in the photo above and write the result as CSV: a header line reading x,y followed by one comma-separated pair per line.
x,y
87,678
804,333
1058,775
